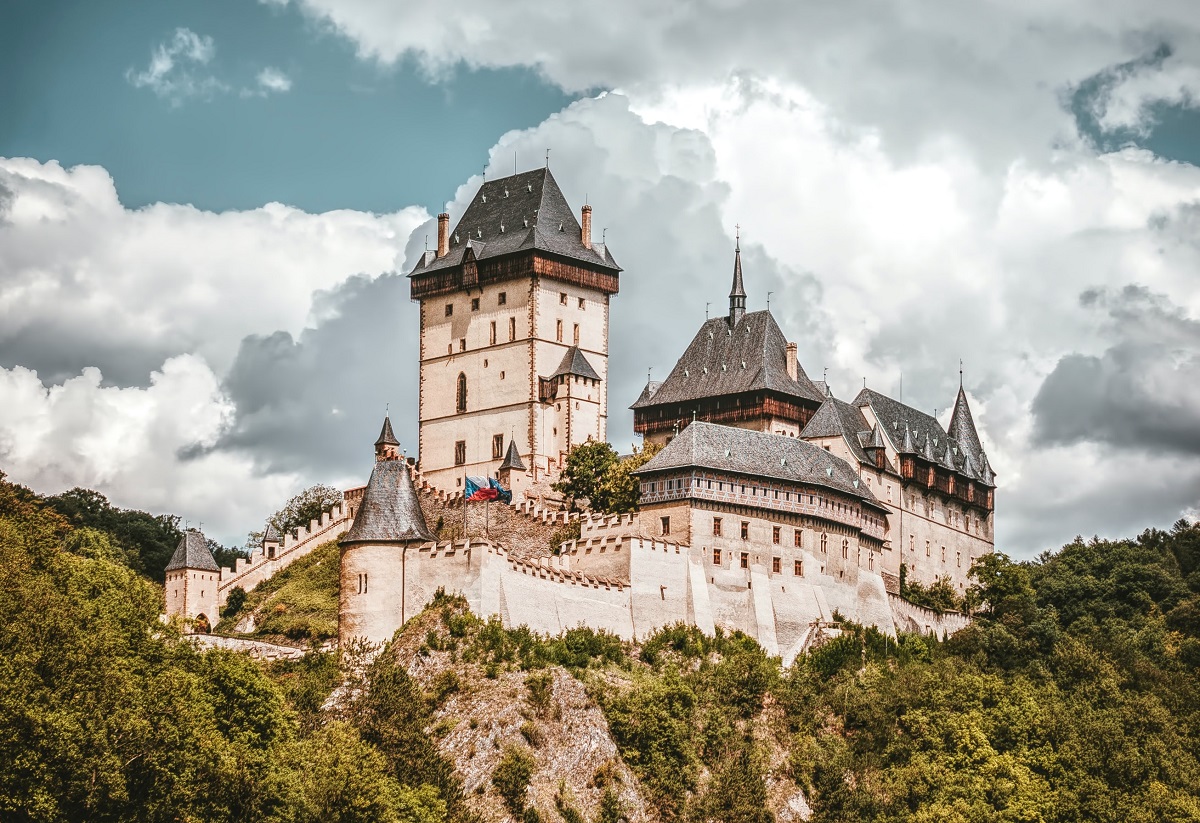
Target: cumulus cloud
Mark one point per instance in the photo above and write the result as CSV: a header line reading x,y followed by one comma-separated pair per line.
x,y
1128,97
177,68
273,81
85,281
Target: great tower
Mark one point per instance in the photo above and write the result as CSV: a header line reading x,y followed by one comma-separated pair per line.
x,y
514,333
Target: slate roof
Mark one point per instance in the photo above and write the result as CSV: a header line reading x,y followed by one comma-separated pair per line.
x,y
962,427
648,392
192,553
724,359
512,460
517,213
574,362
386,436
271,533
837,418
389,512
758,454
893,416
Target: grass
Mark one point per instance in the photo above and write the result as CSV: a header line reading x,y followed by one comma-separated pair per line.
x,y
299,603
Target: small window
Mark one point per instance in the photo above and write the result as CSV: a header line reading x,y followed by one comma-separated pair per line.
x,y
562,298
796,538
581,302
745,530
824,537
576,333
845,549
460,403
716,527
474,304
775,534
497,446
492,334
716,557
958,562
798,568
462,344
776,565
665,524
558,330
501,375
460,452
449,309
927,548
745,560
943,554
512,329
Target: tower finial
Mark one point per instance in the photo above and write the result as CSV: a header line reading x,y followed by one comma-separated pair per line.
x,y
737,294
547,158
960,379
737,236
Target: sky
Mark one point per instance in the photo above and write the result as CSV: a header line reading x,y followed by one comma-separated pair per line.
x,y
207,212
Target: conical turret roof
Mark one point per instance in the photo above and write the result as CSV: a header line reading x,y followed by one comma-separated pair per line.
x,y
386,436
390,511
512,460
192,553
908,447
962,426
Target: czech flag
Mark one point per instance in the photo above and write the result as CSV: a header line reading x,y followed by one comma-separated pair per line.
x,y
485,488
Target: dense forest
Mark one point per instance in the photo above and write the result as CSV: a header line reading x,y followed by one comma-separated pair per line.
x,y
1074,696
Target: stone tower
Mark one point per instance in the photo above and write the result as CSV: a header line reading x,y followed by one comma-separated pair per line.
x,y
192,580
514,333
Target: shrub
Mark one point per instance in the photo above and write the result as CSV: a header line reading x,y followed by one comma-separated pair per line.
x,y
511,778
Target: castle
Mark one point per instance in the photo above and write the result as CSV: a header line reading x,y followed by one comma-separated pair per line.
x,y
771,506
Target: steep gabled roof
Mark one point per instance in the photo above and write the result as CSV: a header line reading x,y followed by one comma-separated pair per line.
x,y
725,360
758,454
894,416
837,418
271,533
390,511
512,459
192,553
518,213
652,386
386,436
575,363
962,427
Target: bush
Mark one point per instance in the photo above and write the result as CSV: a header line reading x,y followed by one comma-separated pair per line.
x,y
511,778
234,602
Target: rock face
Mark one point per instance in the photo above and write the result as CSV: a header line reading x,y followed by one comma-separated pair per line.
x,y
566,733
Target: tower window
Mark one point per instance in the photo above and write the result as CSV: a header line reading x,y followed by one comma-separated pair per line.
x,y
449,309
798,568
558,330
461,398
796,537
512,329
462,344
716,557
576,334
665,523
581,303
716,527
776,565
474,304
562,298
497,446
460,452
824,538
845,549
745,530
502,298
744,562
492,334
775,534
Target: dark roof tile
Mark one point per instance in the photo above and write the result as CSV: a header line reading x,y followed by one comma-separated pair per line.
x,y
192,553
574,362
390,511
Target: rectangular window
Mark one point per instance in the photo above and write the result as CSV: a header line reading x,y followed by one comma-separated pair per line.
x,y
927,548
474,304
512,329
558,330
462,344
796,537
492,334
798,568
502,298
776,565
745,561
581,303
562,298
449,309
958,562
943,554
716,557
665,523
497,446
716,527
460,452
775,533
576,333
745,530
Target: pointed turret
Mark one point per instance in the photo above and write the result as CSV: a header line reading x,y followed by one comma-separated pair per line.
x,y
876,441
512,459
737,294
387,447
962,426
927,449
908,447
390,511
948,458
192,553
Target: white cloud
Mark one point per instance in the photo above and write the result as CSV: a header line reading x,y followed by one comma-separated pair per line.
x,y
173,72
1129,104
86,281
273,80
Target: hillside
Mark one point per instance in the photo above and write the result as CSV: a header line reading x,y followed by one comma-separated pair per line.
x,y
296,606
1073,697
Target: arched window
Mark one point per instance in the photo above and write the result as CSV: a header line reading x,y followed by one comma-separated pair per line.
x,y
461,404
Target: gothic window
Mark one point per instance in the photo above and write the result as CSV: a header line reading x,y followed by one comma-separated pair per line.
x,y
497,446
512,329
449,309
460,452
716,527
776,565
460,402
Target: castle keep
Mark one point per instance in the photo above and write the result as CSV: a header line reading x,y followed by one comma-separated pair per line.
x,y
771,506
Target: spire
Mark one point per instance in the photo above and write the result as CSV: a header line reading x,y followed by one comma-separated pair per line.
x,y
737,294
908,447
386,437
512,459
192,553
876,438
962,426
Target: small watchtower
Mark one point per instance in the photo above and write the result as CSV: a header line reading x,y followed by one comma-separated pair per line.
x,y
191,582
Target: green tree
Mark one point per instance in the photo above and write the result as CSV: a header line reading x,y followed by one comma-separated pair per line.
x,y
298,511
145,541
619,488
511,778
584,472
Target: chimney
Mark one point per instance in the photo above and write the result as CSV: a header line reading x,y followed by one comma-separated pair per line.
x,y
443,234
791,360
587,227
